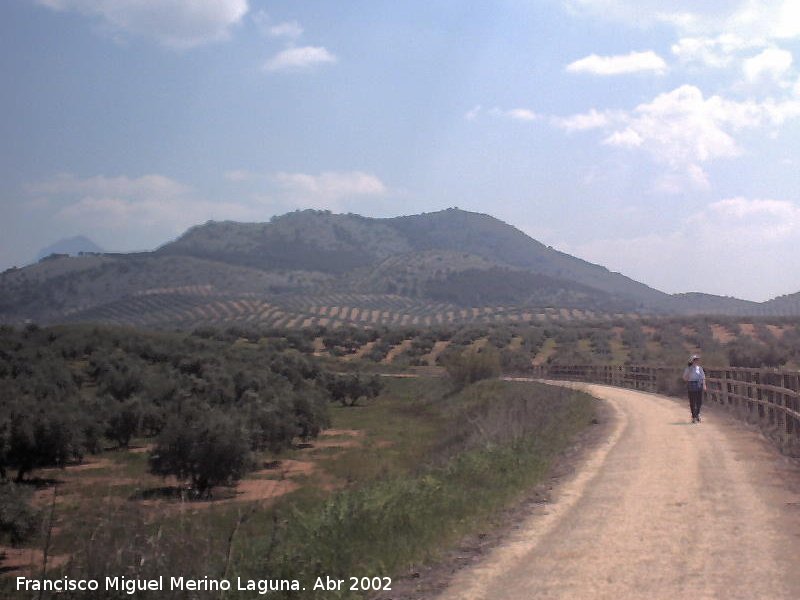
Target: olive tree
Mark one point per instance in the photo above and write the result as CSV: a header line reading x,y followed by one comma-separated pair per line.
x,y
203,449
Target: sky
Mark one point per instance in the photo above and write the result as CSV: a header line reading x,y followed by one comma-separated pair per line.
x,y
659,139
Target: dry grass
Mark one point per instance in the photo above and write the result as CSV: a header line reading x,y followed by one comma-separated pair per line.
x,y
721,333
432,356
477,345
547,350
619,353
361,352
27,561
776,330
396,351
515,343
319,346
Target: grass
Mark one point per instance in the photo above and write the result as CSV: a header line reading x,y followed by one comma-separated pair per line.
x,y
499,439
619,354
428,467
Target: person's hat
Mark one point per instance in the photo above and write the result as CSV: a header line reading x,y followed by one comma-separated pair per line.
x,y
693,357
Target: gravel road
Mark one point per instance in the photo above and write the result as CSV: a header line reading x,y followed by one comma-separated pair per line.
x,y
663,509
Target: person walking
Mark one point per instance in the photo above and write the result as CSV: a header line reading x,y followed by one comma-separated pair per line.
x,y
695,379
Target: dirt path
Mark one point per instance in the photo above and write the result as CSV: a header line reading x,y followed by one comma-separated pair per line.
x,y
664,509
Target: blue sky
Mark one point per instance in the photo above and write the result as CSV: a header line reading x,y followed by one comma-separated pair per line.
x,y
656,138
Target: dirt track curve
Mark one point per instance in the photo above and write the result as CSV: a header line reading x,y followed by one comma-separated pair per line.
x,y
663,509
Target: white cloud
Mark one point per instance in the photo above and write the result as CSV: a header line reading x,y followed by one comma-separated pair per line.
x,y
687,14
265,24
522,114
635,62
748,19
238,175
679,128
682,130
130,213
155,208
331,185
593,119
299,58
758,236
517,114
625,138
675,182
292,57
716,52
139,187
175,23
289,29
778,113
473,113
776,19
771,64
341,191
752,220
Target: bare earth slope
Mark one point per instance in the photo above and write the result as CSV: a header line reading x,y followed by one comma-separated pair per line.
x,y
665,509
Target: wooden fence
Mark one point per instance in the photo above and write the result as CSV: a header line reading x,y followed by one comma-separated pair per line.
x,y
770,397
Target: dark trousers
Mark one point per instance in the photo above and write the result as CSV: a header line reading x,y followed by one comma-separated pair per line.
x,y
695,402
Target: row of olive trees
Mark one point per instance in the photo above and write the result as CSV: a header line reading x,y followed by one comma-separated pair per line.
x,y
207,403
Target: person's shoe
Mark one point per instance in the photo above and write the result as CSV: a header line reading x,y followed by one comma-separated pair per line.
x,y
698,418
694,419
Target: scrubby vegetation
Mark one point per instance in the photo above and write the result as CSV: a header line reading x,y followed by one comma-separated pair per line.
x,y
206,404
724,341
497,441
197,419
472,366
18,520
432,466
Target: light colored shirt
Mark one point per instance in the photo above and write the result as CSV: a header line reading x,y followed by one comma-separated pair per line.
x,y
694,373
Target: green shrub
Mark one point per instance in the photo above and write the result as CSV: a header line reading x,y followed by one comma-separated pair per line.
x,y
349,389
515,361
42,437
124,421
205,449
469,367
18,521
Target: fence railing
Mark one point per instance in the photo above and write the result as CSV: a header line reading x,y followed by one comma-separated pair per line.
x,y
768,396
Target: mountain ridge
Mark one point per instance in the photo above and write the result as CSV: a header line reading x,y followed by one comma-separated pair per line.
x,y
452,230
72,245
310,266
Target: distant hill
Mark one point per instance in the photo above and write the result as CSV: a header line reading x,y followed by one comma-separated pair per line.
x,y
490,238
303,241
72,246
698,303
318,240
315,267
787,305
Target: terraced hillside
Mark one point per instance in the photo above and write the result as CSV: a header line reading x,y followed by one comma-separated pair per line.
x,y
311,268
193,306
721,341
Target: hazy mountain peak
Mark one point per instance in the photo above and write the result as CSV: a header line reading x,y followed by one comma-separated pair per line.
x,y
72,246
